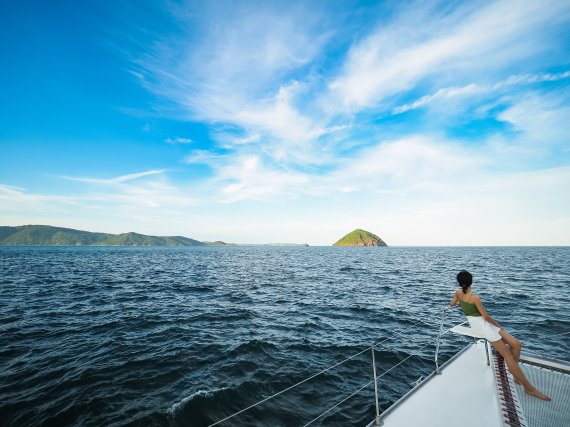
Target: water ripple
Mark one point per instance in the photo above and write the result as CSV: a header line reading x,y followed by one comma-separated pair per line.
x,y
186,336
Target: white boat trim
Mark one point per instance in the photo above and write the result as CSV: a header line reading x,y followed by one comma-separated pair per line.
x,y
491,393
554,365
437,401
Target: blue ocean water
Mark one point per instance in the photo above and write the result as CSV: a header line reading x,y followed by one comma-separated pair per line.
x,y
97,336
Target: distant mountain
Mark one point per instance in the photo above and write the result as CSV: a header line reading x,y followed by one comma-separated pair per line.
x,y
58,236
360,237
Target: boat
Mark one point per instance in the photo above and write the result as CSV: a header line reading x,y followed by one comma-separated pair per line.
x,y
476,377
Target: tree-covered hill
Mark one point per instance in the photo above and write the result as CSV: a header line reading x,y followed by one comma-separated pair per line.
x,y
58,236
360,237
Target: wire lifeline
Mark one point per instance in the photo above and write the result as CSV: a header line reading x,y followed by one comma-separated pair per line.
x,y
402,361
366,385
397,333
289,388
316,375
339,403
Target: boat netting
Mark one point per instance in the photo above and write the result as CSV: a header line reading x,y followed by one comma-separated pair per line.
x,y
538,413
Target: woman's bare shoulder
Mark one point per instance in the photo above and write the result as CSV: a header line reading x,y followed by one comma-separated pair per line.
x,y
475,297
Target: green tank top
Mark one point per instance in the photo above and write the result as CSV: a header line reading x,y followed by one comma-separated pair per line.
x,y
469,309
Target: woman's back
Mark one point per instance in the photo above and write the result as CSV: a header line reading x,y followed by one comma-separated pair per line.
x,y
469,308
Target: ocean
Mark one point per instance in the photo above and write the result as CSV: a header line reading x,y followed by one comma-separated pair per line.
x,y
168,336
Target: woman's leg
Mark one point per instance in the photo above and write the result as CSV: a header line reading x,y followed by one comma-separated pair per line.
x,y
515,369
513,343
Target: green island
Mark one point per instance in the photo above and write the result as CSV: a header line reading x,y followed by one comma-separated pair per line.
x,y
47,235
360,237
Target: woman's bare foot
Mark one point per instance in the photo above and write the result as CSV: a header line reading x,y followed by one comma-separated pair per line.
x,y
536,393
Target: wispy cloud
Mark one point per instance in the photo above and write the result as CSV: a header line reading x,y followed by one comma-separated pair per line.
x,y
257,70
303,105
178,140
428,45
205,157
154,192
17,199
474,89
116,196
116,180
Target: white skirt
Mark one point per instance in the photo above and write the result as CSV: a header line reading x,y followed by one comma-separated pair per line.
x,y
487,330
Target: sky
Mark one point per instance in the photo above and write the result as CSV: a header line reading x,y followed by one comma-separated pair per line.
x,y
427,123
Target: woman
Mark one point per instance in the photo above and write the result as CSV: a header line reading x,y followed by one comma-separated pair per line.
x,y
486,326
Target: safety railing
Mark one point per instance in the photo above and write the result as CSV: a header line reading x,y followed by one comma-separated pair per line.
x,y
372,348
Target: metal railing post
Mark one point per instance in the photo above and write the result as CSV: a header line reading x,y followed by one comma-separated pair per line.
x,y
437,370
377,420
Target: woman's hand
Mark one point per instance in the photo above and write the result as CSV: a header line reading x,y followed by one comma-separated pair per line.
x,y
454,301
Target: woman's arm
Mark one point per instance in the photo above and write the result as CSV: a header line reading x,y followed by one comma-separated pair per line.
x,y
477,301
453,302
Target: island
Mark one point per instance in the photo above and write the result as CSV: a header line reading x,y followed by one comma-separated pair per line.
x,y
360,237
47,235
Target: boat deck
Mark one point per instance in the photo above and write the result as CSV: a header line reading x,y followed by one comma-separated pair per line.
x,y
470,393
464,394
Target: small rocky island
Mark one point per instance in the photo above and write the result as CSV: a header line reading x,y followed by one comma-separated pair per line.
x,y
360,237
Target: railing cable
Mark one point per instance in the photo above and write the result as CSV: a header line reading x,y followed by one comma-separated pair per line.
x,y
366,385
339,403
322,372
289,388
402,361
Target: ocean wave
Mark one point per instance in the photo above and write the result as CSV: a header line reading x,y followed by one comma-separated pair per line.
x,y
203,393
108,341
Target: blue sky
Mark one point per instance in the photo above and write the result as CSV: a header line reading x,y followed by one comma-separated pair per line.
x,y
427,123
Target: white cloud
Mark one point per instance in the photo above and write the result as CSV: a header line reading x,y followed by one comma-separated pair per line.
x,y
233,56
237,66
474,89
404,165
422,45
252,68
543,118
205,157
441,94
248,179
116,180
288,133
17,199
178,140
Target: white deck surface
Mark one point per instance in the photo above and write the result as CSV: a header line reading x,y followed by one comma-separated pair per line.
x,y
463,395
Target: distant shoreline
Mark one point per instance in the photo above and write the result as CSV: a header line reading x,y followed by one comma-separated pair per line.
x,y
47,235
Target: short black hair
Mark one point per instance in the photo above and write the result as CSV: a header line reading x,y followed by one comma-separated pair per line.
x,y
465,279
